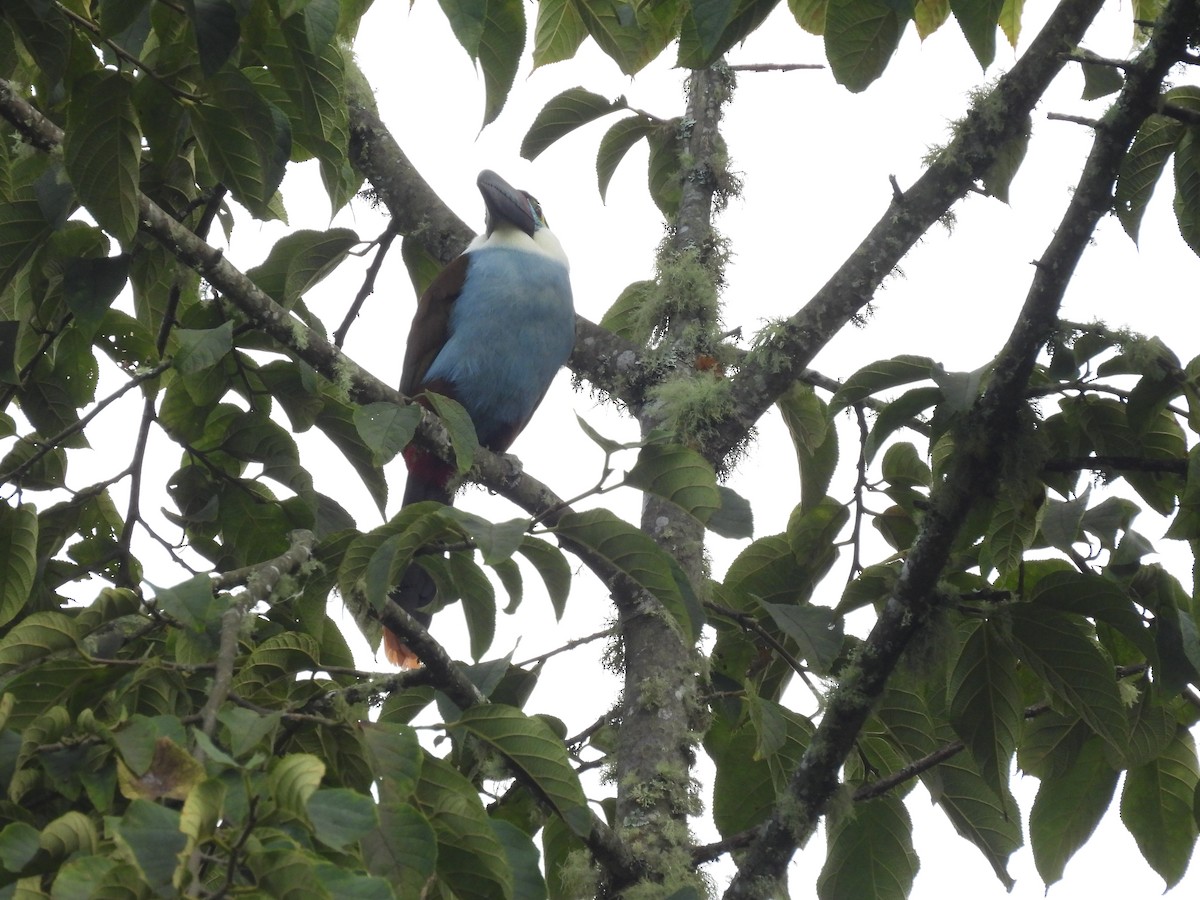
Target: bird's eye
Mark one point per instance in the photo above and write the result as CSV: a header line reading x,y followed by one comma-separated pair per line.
x,y
538,215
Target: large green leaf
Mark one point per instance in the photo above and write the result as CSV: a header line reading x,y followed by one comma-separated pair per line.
x,y
985,702
340,816
553,567
1156,807
536,752
102,150
870,853
1068,807
18,550
860,38
808,421
500,50
300,260
470,858
217,31
386,428
1187,187
879,376
616,142
246,139
558,33
678,474
714,26
636,555
562,114
978,19
403,849
1058,650
1141,167
151,838
632,34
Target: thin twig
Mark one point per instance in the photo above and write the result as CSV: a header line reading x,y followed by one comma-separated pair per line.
x,y
569,645
384,243
49,444
775,67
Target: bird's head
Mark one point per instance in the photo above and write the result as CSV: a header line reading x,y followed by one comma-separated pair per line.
x,y
514,219
507,206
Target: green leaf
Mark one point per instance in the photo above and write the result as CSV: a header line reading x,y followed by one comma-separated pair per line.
x,y
553,568
870,853
700,47
386,428
523,859
500,49
18,846
1187,187
879,376
496,541
710,18
1073,667
735,518
246,139
403,850
1099,78
470,858
816,630
677,474
294,779
1141,167
808,421
458,423
1009,156
744,791
102,151
1156,807
1068,807
618,141
985,702
533,750
860,38
202,348
978,19
666,168
36,636
18,552
395,755
268,673
301,260
217,31
150,837
559,32
809,14
564,113
632,34
1010,20
24,228
341,816
336,421
91,285
640,558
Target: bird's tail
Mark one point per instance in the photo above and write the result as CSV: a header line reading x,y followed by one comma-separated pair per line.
x,y
428,479
415,591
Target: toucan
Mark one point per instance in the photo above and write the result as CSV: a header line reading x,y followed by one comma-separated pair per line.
x,y
491,331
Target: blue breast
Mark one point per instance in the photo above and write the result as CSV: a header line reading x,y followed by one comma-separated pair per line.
x,y
512,327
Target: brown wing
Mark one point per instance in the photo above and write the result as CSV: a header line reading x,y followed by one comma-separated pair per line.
x,y
430,324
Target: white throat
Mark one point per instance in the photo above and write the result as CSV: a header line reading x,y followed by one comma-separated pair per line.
x,y
543,242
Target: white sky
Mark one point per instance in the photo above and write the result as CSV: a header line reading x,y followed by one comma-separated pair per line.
x,y
815,161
